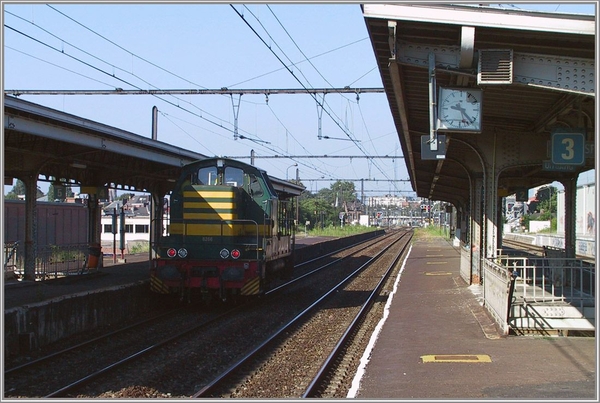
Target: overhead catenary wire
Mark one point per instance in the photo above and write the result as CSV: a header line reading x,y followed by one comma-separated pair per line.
x,y
61,51
52,64
139,89
301,83
122,48
302,61
112,75
220,123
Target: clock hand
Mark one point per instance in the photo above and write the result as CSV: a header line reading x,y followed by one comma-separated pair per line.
x,y
466,116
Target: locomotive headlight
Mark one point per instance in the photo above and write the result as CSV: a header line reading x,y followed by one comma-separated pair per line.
x,y
182,253
171,252
235,253
224,253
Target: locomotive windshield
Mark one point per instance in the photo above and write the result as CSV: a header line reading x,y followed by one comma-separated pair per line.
x,y
230,176
219,175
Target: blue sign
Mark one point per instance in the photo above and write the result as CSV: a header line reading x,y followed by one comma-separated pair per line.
x,y
568,146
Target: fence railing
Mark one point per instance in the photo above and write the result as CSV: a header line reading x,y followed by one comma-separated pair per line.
x,y
10,256
553,280
52,261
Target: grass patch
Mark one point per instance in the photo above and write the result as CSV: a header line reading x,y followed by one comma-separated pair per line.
x,y
339,232
429,232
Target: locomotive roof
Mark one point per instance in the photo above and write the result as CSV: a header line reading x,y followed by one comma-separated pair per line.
x,y
282,187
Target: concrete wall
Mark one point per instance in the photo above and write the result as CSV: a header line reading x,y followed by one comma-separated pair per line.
x,y
36,325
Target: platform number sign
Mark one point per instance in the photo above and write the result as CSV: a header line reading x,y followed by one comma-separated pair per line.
x,y
522,195
60,192
568,146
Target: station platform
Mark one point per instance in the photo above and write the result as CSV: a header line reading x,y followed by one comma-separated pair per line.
x,y
23,293
437,341
113,274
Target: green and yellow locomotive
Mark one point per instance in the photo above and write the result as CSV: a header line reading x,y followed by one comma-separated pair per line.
x,y
230,232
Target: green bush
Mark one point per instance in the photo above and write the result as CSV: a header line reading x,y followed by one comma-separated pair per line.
x,y
138,247
338,232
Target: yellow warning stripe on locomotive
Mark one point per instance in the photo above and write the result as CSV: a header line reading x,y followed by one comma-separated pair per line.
x,y
157,285
209,194
209,216
216,205
252,287
215,229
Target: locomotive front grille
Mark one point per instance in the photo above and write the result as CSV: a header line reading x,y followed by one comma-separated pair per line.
x,y
233,274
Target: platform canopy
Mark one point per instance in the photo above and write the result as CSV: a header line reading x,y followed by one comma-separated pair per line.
x,y
50,144
534,73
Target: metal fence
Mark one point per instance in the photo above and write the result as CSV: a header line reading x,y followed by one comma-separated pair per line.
x,y
11,263
52,261
553,279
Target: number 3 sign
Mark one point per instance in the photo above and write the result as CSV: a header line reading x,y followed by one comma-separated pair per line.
x,y
568,146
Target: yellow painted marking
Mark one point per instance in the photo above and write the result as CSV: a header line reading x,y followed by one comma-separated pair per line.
x,y
209,194
209,216
158,286
472,358
228,230
210,204
176,229
438,274
252,287
433,255
437,262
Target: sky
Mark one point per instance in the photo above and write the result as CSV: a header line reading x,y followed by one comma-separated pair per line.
x,y
211,46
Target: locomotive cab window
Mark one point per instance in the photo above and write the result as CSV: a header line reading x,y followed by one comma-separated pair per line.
x,y
234,176
207,176
256,189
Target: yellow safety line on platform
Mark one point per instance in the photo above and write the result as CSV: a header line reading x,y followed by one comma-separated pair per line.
x,y
433,255
471,358
438,274
437,262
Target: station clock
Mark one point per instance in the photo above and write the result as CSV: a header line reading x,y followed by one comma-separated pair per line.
x,y
459,109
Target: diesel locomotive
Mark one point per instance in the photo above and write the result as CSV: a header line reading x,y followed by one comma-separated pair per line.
x,y
230,232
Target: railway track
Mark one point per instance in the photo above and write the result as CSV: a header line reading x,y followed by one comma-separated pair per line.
x,y
94,358
538,250
305,356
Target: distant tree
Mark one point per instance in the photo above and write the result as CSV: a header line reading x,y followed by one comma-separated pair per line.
x,y
547,197
19,190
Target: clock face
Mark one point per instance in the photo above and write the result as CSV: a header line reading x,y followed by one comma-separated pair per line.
x,y
459,109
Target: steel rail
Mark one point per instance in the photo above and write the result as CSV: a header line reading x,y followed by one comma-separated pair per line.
x,y
88,378
82,381
89,342
211,386
311,390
